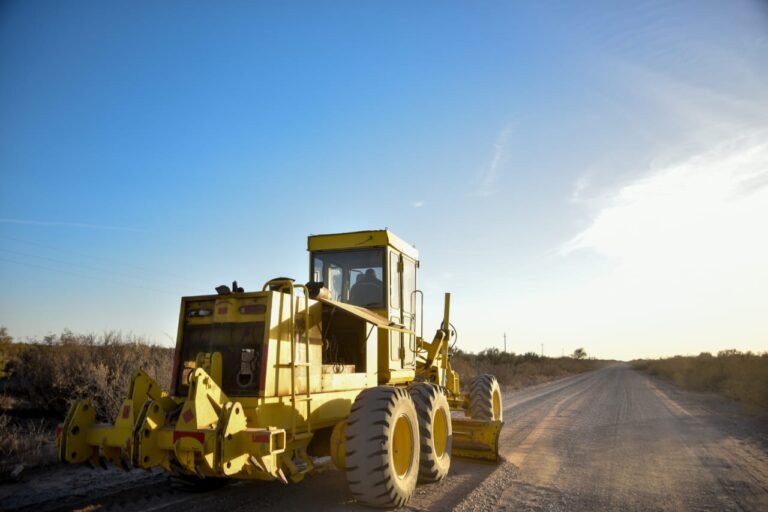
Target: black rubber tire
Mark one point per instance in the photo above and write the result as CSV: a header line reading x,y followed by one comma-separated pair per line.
x,y
481,398
370,453
432,407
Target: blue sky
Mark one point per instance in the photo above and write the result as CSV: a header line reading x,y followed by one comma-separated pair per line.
x,y
575,174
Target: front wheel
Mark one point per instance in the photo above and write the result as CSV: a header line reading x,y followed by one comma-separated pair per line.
x,y
382,447
485,398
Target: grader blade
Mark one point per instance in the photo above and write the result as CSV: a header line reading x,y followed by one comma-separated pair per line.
x,y
476,439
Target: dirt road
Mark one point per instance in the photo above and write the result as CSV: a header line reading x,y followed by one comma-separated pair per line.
x,y
612,439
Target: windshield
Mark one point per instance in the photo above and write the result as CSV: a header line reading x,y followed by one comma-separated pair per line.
x,y
355,277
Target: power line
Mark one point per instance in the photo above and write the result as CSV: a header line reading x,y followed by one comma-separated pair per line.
x,y
91,256
75,264
84,276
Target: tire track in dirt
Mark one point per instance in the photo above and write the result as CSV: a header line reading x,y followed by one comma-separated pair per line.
x,y
530,423
617,440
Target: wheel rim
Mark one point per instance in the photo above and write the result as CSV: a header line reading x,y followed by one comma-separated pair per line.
x,y
402,446
496,405
440,431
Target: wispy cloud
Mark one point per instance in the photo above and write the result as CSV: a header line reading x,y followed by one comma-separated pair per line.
x,y
680,120
582,185
418,204
687,208
692,116
490,174
684,255
68,224
671,256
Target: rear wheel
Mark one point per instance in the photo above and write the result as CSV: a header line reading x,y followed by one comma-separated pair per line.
x,y
382,447
435,432
485,398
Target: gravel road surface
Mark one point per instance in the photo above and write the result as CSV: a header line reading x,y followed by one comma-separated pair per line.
x,y
612,439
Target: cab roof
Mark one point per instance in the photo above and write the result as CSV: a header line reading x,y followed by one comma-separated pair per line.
x,y
358,239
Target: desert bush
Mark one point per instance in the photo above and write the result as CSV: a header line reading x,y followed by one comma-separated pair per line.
x,y
9,353
579,353
516,371
741,376
28,443
67,367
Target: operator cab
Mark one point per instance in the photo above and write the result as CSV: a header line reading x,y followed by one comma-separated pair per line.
x,y
375,270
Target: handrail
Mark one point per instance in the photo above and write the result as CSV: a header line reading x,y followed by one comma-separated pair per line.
x,y
306,352
287,285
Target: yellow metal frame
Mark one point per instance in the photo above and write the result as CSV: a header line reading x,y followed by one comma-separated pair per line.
x,y
267,435
360,239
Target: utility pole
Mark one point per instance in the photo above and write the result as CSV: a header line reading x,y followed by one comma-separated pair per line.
x,y
505,343
542,350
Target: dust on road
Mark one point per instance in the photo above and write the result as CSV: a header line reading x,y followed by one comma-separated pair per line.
x,y
611,439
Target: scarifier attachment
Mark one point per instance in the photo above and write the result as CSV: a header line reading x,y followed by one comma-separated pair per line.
x,y
147,438
476,439
81,440
73,435
205,435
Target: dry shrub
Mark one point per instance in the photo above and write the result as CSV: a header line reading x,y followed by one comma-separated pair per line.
x,y
518,371
9,353
41,380
29,443
741,376
52,374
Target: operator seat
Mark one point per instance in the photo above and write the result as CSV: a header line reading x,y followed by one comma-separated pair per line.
x,y
367,290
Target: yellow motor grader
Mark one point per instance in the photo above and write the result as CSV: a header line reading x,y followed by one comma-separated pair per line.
x,y
266,382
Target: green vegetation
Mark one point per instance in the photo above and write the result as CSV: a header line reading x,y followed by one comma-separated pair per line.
x,y
516,371
741,376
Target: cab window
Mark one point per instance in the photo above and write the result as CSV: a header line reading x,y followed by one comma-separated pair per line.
x,y
352,276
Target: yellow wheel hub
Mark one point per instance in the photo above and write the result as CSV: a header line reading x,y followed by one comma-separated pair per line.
x,y
496,405
402,446
440,432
